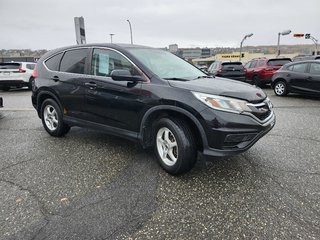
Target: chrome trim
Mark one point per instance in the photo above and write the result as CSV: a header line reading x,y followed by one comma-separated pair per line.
x,y
92,47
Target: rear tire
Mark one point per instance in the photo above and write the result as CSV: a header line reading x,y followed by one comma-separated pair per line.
x,y
280,88
30,83
52,119
174,146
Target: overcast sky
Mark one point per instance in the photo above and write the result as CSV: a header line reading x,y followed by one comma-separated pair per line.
x,y
48,24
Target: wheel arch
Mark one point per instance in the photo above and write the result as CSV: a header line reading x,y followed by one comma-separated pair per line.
x,y
42,96
155,113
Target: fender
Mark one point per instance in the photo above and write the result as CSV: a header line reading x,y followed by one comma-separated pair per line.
x,y
52,95
176,109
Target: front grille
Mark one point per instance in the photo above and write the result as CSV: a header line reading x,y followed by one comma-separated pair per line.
x,y
261,110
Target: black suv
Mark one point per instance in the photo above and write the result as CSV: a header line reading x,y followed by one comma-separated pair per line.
x,y
150,96
232,70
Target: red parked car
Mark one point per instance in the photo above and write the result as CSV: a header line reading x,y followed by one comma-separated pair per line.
x,y
261,70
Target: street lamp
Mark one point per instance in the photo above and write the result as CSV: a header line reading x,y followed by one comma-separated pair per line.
x,y
315,41
245,37
111,35
286,32
130,30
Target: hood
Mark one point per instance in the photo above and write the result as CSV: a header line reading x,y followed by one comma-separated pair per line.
x,y
222,87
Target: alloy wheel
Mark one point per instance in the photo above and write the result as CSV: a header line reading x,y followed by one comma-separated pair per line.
x,y
50,117
167,146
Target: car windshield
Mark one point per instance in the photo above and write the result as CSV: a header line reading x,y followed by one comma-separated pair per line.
x,y
167,65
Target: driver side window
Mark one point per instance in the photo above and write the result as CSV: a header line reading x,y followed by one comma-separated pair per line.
x,y
104,61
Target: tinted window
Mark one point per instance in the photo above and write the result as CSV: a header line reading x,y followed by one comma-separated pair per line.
x,y
53,63
278,62
299,67
247,65
253,64
315,68
232,65
74,61
105,61
9,65
261,63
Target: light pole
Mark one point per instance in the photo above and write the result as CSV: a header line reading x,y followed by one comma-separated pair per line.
x,y
130,30
245,37
111,35
286,32
315,43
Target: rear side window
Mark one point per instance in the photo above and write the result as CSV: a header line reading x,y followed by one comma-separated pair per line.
x,y
253,64
301,68
53,63
315,68
261,63
74,61
9,65
30,66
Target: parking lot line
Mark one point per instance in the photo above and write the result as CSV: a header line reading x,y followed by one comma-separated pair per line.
x,y
17,109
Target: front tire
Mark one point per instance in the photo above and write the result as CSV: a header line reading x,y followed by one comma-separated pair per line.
x,y
52,119
174,146
280,88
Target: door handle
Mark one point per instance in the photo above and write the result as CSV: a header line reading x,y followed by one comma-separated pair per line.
x,y
309,78
55,78
91,85
288,75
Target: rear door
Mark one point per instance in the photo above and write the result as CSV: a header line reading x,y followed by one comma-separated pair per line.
x,y
314,77
250,69
68,79
298,77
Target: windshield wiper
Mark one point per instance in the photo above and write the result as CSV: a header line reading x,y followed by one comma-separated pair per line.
x,y
177,79
204,76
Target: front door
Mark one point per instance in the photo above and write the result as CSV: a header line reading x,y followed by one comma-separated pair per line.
x,y
112,103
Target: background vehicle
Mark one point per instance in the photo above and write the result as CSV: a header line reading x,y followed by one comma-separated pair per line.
x,y
306,57
232,70
150,96
260,70
298,77
16,75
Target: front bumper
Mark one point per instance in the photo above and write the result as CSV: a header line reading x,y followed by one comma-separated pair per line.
x,y
229,134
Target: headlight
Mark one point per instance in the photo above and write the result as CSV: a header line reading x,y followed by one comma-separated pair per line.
x,y
223,103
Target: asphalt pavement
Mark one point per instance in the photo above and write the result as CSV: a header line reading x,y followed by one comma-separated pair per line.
x,y
88,185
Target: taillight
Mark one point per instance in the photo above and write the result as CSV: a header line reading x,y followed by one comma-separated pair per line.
x,y
34,73
270,69
21,70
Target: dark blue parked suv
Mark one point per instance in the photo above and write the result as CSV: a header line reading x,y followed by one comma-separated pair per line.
x,y
150,96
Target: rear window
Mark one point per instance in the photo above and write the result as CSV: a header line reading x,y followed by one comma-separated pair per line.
x,y
278,62
9,65
74,61
233,65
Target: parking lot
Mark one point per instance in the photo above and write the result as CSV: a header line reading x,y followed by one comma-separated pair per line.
x,y
88,185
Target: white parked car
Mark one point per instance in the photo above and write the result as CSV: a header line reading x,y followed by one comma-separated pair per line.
x,y
16,75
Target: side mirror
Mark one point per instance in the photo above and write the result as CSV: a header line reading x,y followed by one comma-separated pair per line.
x,y
125,75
